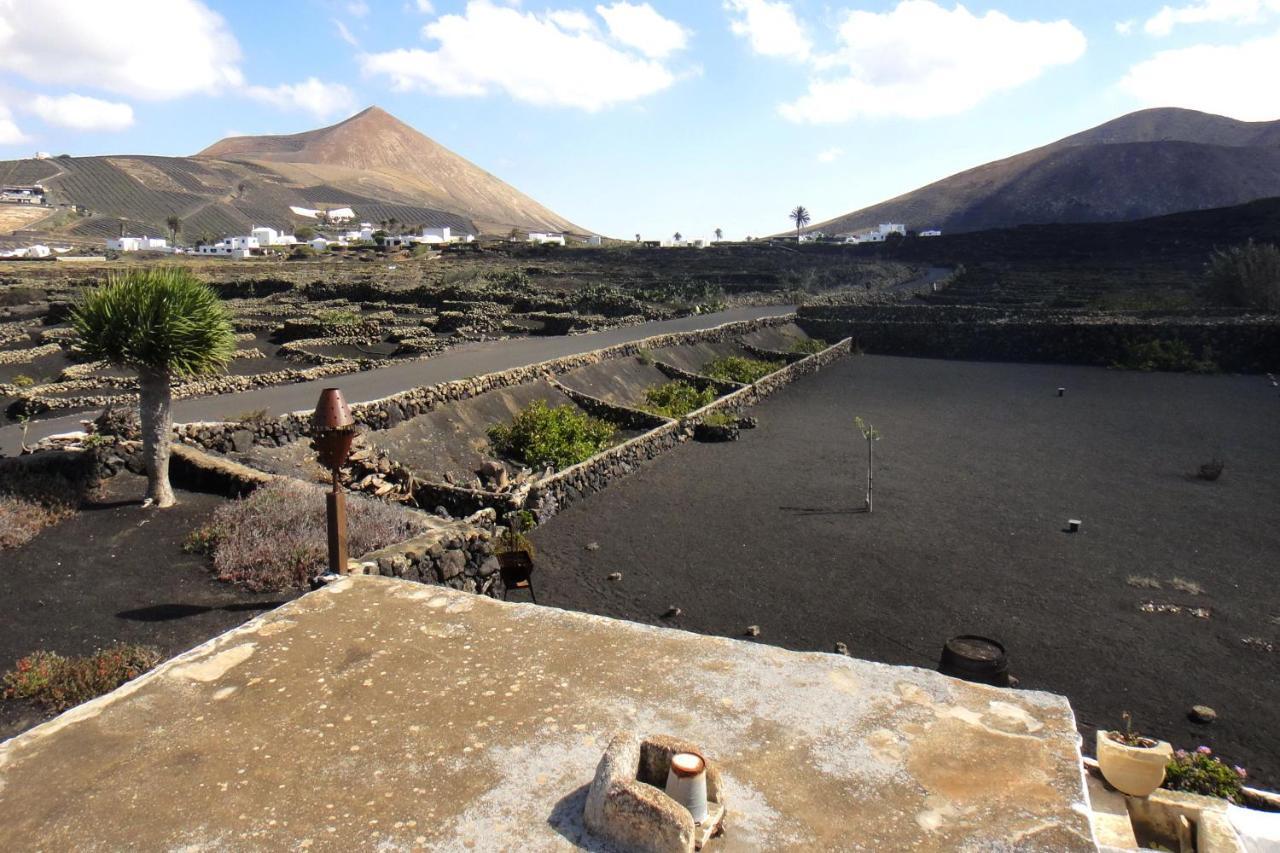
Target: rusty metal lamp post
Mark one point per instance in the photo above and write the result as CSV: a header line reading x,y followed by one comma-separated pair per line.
x,y
334,430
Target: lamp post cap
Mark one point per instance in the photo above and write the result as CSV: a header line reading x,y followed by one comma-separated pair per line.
x,y
332,411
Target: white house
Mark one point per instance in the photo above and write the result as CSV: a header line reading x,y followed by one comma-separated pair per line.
x,y
39,250
43,155
341,214
443,234
271,237
304,211
594,240
243,243
932,232
546,237
139,244
319,244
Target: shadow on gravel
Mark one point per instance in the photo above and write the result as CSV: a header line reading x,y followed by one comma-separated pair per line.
x,y
168,612
817,510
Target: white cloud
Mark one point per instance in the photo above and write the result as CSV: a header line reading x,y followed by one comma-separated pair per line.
x,y
345,34
1233,80
425,7
772,29
830,155
311,95
541,58
1125,28
921,60
79,112
1209,12
151,49
357,8
641,27
9,132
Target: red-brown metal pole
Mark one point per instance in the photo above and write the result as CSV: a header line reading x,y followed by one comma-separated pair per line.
x,y
336,515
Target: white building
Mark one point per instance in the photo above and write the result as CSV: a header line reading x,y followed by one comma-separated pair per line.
x,y
546,237
932,232
340,214
271,237
319,244
594,240
43,155
139,244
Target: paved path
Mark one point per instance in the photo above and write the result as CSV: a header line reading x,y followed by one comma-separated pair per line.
x,y
460,362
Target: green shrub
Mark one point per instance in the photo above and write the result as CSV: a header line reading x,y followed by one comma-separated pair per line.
x,y
1202,772
337,317
1248,276
58,683
541,435
22,380
720,419
275,538
1174,356
677,399
736,368
808,346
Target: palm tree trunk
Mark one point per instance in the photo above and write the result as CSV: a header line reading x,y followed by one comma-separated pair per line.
x,y
155,411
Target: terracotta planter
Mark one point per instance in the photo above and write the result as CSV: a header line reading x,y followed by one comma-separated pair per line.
x,y
1133,770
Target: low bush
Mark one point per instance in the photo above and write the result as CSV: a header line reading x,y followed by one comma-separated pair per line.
x,y
33,497
275,538
58,682
677,399
1202,772
337,317
541,435
22,380
808,346
1211,470
1248,276
1172,356
735,368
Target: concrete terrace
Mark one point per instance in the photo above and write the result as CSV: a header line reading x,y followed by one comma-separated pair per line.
x,y
381,714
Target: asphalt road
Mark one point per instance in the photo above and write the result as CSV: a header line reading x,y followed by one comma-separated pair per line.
x,y
458,363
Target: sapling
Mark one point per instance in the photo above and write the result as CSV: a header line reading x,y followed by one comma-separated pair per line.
x,y
871,435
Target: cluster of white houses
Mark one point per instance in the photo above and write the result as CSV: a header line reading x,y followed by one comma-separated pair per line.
x,y
879,234
261,238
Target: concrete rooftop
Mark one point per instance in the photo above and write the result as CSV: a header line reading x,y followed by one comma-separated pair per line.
x,y
383,714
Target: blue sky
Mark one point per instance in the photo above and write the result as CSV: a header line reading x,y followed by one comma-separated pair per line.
x,y
629,117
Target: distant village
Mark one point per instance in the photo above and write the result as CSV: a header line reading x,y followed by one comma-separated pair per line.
x,y
338,234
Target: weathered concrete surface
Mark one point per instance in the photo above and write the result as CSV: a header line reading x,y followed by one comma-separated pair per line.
x,y
381,714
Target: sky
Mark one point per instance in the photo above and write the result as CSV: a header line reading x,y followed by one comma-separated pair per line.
x,y
625,117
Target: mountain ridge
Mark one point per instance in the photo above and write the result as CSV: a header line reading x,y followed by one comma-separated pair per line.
x,y
1148,163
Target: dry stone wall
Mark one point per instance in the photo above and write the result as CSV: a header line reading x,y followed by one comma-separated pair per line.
x,y
1237,342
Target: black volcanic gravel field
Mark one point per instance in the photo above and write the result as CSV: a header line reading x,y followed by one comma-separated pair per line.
x,y
980,467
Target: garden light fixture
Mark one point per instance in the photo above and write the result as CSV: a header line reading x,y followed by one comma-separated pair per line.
x,y
334,431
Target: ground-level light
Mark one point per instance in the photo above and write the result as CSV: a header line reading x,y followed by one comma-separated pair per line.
x,y
333,432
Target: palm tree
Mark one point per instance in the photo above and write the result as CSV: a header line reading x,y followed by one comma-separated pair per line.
x,y
719,234
637,238
175,225
677,237
800,217
166,324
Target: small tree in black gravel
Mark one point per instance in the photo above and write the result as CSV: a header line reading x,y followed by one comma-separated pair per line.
x,y
871,435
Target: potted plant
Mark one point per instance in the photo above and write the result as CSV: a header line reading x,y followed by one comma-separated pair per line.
x,y
1130,762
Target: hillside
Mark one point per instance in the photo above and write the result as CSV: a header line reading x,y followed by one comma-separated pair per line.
x,y
372,162
1144,164
375,148
1156,262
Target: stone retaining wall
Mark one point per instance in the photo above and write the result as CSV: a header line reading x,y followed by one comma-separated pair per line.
x,y
697,380
389,411
1247,343
459,556
550,495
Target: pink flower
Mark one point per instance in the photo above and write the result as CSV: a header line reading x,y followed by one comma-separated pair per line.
x,y
1204,750
1182,753
1241,772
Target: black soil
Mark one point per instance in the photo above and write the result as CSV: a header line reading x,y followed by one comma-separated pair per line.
x,y
114,573
978,471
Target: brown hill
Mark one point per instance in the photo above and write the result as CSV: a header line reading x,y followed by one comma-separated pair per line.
x,y
1147,163
373,163
375,149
